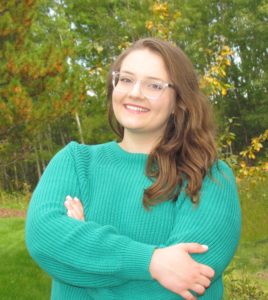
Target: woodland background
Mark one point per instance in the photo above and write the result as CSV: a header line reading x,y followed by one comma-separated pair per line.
x,y
54,60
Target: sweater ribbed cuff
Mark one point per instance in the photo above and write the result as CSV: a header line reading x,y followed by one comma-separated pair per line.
x,y
136,261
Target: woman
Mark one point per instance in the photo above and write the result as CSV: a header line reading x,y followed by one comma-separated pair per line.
x,y
162,216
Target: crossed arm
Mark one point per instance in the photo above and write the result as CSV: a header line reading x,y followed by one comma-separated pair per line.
x,y
172,266
87,254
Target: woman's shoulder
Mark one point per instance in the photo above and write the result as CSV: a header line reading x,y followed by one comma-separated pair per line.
x,y
81,156
221,168
220,173
221,164
78,150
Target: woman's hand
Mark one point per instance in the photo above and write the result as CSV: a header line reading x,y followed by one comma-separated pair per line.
x,y
75,208
174,268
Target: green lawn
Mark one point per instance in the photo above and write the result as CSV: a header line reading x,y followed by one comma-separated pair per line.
x,y
246,278
20,277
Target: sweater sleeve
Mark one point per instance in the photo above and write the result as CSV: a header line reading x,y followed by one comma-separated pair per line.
x,y
215,221
84,254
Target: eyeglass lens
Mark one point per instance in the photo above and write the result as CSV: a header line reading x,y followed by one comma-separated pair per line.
x,y
150,88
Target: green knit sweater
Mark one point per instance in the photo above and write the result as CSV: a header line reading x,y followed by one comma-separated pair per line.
x,y
108,256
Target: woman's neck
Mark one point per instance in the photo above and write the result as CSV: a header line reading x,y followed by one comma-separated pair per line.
x,y
137,143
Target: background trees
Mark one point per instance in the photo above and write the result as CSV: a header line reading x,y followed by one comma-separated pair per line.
x,y
55,56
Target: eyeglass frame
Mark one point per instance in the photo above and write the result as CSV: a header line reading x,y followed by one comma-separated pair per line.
x,y
165,84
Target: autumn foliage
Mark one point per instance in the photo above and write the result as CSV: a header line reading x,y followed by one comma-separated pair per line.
x,y
54,63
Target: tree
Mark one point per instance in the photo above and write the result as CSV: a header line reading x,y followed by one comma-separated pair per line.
x,y
38,86
55,56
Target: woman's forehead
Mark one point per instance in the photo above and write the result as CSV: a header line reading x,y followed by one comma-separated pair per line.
x,y
145,63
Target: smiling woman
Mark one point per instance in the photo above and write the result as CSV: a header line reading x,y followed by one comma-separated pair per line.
x,y
141,101
155,216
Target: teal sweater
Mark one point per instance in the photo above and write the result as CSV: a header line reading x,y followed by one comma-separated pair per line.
x,y
108,256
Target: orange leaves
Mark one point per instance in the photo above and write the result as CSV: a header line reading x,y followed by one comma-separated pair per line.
x,y
68,96
16,19
11,66
29,2
246,161
265,166
258,172
34,67
213,80
27,22
249,155
163,21
17,89
149,25
58,66
57,107
224,91
6,25
23,107
124,44
66,103
82,97
20,102
225,51
18,105
255,146
161,9
177,14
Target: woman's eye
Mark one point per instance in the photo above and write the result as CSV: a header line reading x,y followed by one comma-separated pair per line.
x,y
155,86
125,79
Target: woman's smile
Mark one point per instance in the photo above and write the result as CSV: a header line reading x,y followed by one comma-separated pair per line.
x,y
136,109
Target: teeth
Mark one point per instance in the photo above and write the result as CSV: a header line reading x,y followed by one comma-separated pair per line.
x,y
136,108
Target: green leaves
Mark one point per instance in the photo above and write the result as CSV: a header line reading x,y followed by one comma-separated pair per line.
x,y
55,57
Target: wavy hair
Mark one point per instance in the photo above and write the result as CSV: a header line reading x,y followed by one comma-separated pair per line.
x,y
187,149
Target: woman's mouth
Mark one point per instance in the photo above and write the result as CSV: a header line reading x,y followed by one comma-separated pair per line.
x,y
135,108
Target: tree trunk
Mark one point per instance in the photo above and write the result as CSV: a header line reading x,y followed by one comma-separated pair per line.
x,y
79,127
49,138
38,169
62,138
41,156
6,181
16,177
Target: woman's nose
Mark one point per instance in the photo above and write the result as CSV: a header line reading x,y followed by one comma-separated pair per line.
x,y
136,90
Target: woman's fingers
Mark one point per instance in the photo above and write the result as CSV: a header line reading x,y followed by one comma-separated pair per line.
x,y
207,271
175,269
199,289
74,208
187,295
204,281
194,247
77,206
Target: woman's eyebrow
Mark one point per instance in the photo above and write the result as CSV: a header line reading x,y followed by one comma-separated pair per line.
x,y
148,77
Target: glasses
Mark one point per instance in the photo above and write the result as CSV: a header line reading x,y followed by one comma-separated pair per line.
x,y
150,88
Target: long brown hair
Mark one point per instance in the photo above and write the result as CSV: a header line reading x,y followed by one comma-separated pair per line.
x,y
187,149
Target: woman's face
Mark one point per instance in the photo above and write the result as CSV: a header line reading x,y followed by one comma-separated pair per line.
x,y
135,112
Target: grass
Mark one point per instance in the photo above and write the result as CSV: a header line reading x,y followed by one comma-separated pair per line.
x,y
248,272
14,200
20,277
253,197
246,278
252,258
252,253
